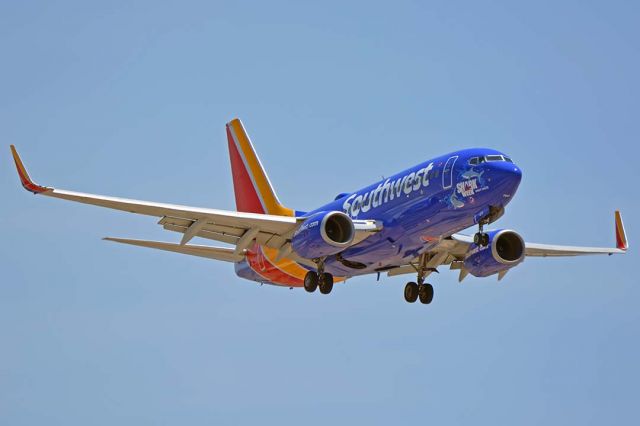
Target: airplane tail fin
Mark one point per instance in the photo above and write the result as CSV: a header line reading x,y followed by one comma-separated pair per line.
x,y
253,190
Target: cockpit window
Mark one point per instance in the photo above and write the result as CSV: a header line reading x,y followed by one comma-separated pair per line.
x,y
474,161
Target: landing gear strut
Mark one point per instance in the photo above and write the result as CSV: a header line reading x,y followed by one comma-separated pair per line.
x,y
481,238
320,279
420,290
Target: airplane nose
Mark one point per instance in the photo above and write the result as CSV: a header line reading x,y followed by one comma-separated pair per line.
x,y
508,170
516,172
508,176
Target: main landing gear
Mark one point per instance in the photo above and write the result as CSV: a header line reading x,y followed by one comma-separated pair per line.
x,y
420,290
320,279
481,238
414,291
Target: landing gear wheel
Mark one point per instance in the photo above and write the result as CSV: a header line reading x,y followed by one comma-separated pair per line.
x,y
311,281
326,283
411,292
425,292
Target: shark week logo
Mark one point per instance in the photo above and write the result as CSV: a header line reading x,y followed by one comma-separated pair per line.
x,y
467,187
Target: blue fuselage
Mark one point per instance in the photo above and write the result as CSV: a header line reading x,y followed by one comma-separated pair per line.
x,y
420,206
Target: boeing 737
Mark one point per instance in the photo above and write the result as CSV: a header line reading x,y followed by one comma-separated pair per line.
x,y
408,223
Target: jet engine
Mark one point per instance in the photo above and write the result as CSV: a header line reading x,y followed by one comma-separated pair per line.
x,y
323,234
504,251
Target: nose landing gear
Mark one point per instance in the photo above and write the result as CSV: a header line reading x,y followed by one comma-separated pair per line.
x,y
481,238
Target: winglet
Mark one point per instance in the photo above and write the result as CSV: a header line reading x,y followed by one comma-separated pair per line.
x,y
621,235
27,183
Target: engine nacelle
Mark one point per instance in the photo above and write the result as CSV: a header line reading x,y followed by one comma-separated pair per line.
x,y
504,251
323,234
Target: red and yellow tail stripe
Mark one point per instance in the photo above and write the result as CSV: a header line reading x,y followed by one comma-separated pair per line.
x,y
255,194
621,235
253,190
27,183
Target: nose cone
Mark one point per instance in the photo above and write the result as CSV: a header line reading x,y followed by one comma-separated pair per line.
x,y
507,176
506,169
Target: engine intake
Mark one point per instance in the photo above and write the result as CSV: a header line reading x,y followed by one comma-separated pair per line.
x,y
507,247
323,234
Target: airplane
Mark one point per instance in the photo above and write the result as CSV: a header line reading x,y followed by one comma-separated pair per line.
x,y
408,223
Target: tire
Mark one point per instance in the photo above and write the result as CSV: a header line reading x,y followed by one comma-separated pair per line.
x,y
485,240
425,293
411,292
311,281
476,238
326,283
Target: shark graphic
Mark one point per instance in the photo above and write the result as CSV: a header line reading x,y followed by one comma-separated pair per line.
x,y
454,202
470,174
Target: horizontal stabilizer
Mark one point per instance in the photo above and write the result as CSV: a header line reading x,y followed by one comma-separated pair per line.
x,y
217,253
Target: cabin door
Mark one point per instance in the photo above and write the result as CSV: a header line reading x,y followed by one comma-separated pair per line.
x,y
447,172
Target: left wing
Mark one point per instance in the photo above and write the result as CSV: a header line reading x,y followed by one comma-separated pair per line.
x,y
237,228
452,251
549,250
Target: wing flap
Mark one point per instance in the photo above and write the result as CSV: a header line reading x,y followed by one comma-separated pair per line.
x,y
216,253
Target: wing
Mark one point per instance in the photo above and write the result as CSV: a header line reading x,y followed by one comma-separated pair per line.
x,y
237,228
550,250
217,253
452,251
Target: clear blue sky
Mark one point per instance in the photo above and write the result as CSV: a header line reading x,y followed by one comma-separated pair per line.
x,y
131,100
